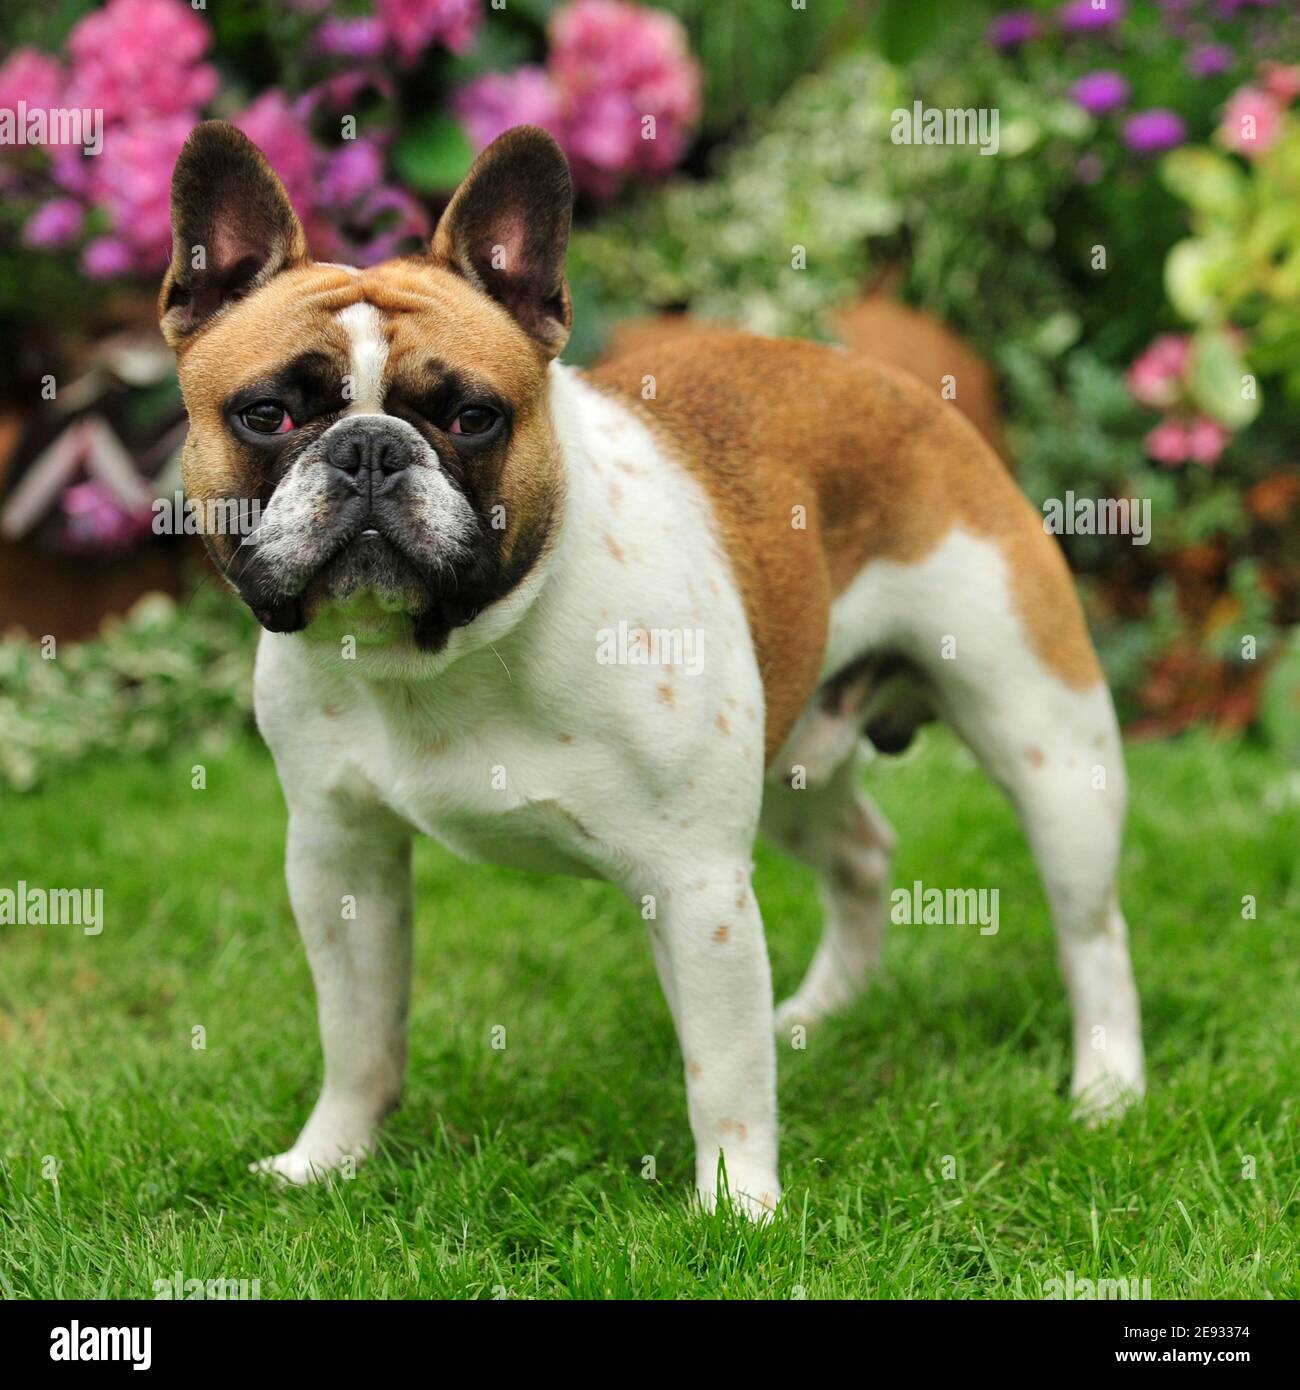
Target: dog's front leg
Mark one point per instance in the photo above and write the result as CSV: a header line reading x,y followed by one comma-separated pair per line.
x,y
350,885
712,960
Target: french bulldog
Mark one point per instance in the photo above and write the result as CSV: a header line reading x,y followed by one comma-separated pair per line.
x,y
614,623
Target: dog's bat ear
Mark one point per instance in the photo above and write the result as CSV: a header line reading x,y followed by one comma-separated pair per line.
x,y
507,228
233,227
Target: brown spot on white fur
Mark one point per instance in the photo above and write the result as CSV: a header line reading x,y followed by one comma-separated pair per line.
x,y
722,933
884,471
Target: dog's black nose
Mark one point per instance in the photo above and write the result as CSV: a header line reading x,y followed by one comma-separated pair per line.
x,y
368,452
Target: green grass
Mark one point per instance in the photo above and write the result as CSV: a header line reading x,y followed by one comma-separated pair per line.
x,y
517,1173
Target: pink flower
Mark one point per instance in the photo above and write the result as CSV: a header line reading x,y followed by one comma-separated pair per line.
x,y
97,520
412,25
135,58
350,172
1281,81
131,180
630,89
352,38
1206,440
55,224
31,76
387,222
106,257
1154,379
274,125
498,100
1252,121
1168,443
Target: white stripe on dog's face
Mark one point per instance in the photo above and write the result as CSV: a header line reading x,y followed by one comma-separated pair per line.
x,y
369,348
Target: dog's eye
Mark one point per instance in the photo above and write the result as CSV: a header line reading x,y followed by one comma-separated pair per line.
x,y
265,417
474,419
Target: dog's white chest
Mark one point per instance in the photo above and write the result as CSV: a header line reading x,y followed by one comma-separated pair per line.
x,y
625,708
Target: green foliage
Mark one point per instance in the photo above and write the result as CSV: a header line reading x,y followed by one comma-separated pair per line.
x,y
163,673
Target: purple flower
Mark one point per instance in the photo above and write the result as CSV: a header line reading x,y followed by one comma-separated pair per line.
x,y
352,38
107,257
1155,131
1091,16
350,173
1008,31
1099,93
54,224
1210,59
496,101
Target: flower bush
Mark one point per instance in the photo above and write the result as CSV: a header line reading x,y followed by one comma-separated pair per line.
x,y
619,90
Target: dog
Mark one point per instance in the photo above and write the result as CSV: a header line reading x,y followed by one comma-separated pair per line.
x,y
613,624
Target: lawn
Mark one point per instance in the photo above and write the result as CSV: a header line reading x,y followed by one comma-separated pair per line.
x,y
927,1150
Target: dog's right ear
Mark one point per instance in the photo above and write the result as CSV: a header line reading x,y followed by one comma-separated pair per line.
x,y
233,228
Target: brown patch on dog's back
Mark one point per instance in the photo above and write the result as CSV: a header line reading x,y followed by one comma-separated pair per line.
x,y
880,469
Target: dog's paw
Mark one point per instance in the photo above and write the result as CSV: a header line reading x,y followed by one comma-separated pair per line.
x,y
799,1012
756,1198
301,1167
1106,1098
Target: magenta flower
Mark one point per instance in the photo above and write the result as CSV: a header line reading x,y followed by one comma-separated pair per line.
x,y
1155,378
31,76
1206,440
350,172
131,180
1155,131
275,126
1252,122
97,520
1168,443
620,93
629,86
352,38
1013,29
55,224
1092,16
498,100
137,58
1100,93
413,25
1210,60
387,222
106,258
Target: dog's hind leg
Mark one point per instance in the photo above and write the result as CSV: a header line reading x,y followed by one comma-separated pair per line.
x,y
836,830
1064,774
1044,729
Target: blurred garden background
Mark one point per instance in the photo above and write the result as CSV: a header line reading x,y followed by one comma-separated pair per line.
x,y
1128,265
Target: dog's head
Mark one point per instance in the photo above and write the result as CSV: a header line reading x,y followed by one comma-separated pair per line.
x,y
387,428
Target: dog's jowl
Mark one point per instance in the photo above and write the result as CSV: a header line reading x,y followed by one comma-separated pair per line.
x,y
462,545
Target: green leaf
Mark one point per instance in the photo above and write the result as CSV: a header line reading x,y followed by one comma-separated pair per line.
x,y
1196,272
1215,378
433,155
1209,181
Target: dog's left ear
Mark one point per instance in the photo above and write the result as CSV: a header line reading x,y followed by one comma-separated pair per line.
x,y
507,228
233,227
